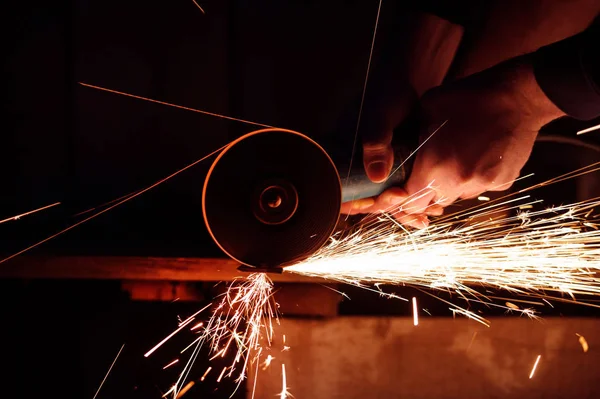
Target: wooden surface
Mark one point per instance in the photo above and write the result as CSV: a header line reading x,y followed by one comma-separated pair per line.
x,y
131,268
441,358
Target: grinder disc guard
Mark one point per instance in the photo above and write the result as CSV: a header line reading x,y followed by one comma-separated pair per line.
x,y
271,198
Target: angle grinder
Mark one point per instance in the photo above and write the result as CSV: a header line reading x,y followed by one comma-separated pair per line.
x,y
272,197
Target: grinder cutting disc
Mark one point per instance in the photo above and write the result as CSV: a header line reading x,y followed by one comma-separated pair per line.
x,y
271,198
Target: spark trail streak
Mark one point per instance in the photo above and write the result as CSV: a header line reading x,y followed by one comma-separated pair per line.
x,y
245,313
537,361
108,372
543,253
19,216
237,325
172,105
415,312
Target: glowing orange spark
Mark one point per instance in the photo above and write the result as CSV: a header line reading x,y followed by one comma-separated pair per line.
x,y
583,343
198,5
172,389
197,326
284,389
536,253
205,373
192,344
137,193
472,340
267,362
186,321
238,322
108,372
170,364
181,327
415,312
589,129
172,105
364,90
221,375
221,353
185,389
19,216
535,366
105,204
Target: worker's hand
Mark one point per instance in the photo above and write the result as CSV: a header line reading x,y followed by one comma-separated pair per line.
x,y
490,122
383,113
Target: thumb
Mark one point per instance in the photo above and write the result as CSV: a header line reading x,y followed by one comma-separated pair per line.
x,y
378,159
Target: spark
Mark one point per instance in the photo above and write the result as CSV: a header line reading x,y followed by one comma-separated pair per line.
x,y
589,129
197,326
267,362
221,375
170,364
173,105
239,321
583,343
186,321
108,372
336,291
245,312
205,373
128,198
168,337
19,216
192,344
172,389
284,388
417,149
185,389
198,5
415,312
364,90
535,366
544,253
472,340
105,204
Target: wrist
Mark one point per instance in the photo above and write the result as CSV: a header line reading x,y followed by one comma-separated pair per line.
x,y
525,94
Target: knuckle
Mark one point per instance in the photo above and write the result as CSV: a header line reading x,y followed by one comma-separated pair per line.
x,y
377,146
490,174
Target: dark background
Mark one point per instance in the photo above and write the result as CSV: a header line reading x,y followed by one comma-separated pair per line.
x,y
297,65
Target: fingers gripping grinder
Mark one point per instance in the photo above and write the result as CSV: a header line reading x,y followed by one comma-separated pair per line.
x,y
272,197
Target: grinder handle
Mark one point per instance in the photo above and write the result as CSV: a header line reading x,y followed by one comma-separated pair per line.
x,y
356,184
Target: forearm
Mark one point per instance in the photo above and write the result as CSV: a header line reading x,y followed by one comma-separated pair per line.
x,y
568,72
430,52
415,56
417,47
514,27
